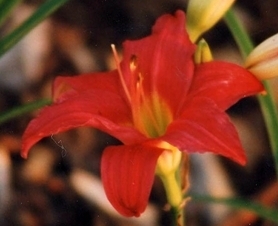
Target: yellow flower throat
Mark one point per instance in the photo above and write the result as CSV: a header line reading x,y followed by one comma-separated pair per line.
x,y
151,114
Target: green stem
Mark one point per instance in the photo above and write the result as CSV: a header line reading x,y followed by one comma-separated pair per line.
x,y
18,111
174,197
267,102
39,15
239,33
270,114
6,7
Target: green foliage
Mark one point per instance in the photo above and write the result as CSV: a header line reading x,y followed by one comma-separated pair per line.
x,y
20,110
240,204
38,16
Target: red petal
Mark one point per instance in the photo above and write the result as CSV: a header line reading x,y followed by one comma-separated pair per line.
x,y
65,86
203,127
100,109
224,83
164,59
127,174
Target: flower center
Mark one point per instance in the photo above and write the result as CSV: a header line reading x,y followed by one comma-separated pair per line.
x,y
151,114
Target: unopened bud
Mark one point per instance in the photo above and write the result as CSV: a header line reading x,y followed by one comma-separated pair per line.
x,y
204,14
263,60
202,53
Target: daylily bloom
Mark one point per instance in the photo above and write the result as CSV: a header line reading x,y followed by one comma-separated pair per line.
x,y
263,60
157,101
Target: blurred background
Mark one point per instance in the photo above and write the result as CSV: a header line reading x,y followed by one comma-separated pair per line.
x,y
59,183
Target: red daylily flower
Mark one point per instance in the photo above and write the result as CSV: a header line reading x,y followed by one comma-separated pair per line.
x,y
157,95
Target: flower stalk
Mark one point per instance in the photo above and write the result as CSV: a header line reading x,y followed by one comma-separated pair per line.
x,y
174,197
168,169
267,103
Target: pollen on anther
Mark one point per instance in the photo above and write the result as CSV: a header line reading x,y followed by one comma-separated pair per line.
x,y
133,63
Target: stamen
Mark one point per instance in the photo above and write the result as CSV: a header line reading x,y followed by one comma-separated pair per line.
x,y
142,106
117,61
133,63
147,105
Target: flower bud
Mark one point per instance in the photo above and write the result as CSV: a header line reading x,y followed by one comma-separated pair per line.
x,y
263,60
202,53
204,14
169,160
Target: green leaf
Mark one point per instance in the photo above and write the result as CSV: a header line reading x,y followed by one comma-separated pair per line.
x,y
24,109
6,7
240,204
38,16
